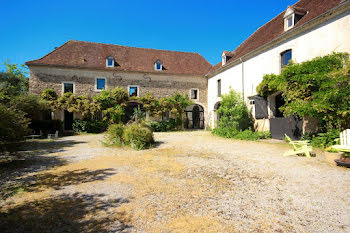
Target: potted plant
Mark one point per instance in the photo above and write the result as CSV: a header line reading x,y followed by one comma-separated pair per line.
x,y
332,154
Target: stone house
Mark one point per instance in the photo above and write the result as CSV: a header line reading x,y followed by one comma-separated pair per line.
x,y
88,68
308,29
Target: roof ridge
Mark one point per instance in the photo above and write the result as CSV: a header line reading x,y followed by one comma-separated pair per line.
x,y
135,47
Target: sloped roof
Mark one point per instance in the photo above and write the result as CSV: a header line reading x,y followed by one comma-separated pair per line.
x,y
275,28
81,54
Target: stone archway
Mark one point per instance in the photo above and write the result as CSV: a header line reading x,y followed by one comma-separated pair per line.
x,y
216,116
194,117
129,111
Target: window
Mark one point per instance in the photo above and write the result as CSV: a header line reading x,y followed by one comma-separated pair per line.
x,y
98,116
166,116
286,56
133,91
68,87
219,87
158,65
194,94
100,83
292,17
289,21
109,61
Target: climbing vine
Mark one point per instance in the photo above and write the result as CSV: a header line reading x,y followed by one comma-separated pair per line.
x,y
317,88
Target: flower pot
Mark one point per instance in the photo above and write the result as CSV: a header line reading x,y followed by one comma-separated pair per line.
x,y
331,156
343,163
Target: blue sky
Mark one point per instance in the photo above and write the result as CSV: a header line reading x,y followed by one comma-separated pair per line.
x,y
31,29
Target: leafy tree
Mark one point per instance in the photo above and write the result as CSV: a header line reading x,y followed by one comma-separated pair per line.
x,y
13,81
317,88
30,104
13,124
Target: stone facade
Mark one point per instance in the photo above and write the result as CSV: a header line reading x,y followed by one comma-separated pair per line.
x,y
161,85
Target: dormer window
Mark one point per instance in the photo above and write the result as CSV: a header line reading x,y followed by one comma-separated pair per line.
x,y
109,61
292,16
226,56
158,65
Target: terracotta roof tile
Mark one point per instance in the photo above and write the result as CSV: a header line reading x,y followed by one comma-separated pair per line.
x,y
275,27
81,54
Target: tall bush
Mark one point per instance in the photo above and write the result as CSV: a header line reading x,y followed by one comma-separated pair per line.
x,y
13,124
138,136
234,114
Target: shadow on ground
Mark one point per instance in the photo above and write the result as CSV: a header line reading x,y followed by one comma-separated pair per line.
x,y
66,213
38,182
30,156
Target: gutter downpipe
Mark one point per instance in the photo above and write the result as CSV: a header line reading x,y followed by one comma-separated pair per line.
x,y
242,78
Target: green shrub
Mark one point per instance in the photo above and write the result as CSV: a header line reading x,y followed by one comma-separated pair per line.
x,y
163,126
13,124
322,140
233,113
247,134
115,135
264,135
89,126
138,136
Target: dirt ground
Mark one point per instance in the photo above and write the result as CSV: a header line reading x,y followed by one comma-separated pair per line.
x,y
189,182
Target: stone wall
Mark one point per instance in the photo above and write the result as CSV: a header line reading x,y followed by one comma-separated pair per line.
x,y
84,80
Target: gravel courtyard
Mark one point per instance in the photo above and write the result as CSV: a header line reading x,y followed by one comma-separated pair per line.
x,y
190,182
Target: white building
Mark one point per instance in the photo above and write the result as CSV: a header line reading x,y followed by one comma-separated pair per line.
x,y
308,29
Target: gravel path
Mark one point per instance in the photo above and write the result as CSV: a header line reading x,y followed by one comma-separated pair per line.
x,y
190,182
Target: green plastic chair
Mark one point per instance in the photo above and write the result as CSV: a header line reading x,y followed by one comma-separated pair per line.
x,y
299,148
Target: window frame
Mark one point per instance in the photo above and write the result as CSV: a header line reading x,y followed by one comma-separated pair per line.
x,y
286,21
109,58
219,87
194,89
138,90
68,82
158,62
105,87
282,54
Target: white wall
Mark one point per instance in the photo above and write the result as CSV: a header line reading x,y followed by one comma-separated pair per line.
x,y
328,37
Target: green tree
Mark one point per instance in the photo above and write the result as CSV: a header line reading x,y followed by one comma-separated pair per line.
x,y
30,104
13,124
13,81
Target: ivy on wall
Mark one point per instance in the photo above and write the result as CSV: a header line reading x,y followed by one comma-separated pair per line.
x,y
316,88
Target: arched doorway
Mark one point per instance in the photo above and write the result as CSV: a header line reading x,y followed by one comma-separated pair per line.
x,y
216,115
130,110
194,117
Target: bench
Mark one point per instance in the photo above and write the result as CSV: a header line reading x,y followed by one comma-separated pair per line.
x,y
344,142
